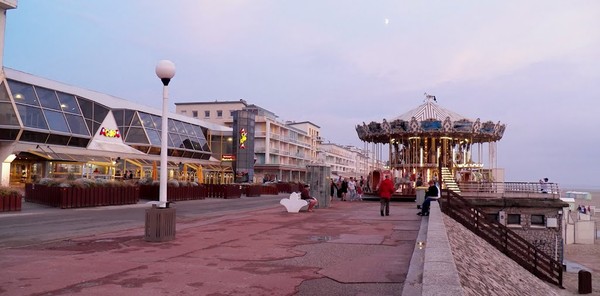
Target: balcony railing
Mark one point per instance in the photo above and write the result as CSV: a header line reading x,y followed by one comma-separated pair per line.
x,y
516,189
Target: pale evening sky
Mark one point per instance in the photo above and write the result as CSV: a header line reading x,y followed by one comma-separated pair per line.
x,y
533,65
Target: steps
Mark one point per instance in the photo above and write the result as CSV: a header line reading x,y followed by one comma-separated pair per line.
x,y
448,179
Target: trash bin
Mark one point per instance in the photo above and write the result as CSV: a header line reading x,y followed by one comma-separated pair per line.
x,y
160,224
420,191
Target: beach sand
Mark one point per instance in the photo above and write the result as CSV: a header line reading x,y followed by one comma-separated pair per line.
x,y
588,256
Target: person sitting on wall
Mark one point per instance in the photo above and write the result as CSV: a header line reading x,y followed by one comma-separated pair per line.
x,y
304,194
432,193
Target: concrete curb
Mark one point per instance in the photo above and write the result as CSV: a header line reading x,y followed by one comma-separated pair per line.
x,y
413,285
440,276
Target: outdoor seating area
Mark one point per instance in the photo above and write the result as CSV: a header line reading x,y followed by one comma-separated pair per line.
x,y
79,194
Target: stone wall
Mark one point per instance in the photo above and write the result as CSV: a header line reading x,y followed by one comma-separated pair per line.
x,y
547,239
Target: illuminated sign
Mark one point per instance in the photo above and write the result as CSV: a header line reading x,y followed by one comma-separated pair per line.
x,y
243,138
110,133
228,157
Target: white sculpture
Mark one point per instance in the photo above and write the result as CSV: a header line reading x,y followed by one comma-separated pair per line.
x,y
294,203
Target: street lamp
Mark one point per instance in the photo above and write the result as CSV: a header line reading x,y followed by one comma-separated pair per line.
x,y
165,70
160,221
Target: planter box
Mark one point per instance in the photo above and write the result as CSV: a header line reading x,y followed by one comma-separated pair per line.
x,y
10,203
269,190
253,190
152,192
73,197
287,187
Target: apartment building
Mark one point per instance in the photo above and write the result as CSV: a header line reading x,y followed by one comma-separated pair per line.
x,y
219,112
282,149
348,161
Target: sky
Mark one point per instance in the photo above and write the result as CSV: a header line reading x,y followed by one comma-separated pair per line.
x,y
532,65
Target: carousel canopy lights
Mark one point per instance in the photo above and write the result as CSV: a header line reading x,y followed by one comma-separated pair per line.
x,y
431,120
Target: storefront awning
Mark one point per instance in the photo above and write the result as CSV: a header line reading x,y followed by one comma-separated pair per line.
x,y
74,154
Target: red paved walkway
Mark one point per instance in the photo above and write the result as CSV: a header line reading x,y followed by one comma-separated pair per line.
x,y
348,249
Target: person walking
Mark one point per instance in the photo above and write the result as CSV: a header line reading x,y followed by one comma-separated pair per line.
x,y
332,190
386,189
343,189
352,189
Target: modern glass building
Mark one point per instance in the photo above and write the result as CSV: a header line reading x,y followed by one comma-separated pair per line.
x,y
50,129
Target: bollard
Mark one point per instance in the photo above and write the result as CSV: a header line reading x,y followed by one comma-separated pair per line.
x,y
585,282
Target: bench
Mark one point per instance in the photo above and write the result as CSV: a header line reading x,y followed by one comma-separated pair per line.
x,y
294,203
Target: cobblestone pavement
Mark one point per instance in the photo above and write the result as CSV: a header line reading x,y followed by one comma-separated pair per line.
x,y
484,270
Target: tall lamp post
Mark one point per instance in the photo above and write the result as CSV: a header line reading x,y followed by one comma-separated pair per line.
x,y
165,70
160,221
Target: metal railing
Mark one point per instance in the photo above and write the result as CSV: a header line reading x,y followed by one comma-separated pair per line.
x,y
502,238
549,190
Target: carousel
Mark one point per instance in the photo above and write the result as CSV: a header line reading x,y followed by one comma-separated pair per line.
x,y
434,143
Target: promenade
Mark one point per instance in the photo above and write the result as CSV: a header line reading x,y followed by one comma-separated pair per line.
x,y
348,249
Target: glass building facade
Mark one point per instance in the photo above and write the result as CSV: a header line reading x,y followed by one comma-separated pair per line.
x,y
47,126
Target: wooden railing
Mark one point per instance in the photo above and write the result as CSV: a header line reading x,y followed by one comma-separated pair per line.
x,y
505,240
551,189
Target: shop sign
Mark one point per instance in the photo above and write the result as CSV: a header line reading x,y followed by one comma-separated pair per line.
x,y
228,157
243,138
110,133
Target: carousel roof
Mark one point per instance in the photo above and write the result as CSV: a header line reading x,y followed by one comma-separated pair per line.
x,y
431,120
430,110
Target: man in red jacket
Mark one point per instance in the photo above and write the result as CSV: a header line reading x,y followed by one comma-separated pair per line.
x,y
386,189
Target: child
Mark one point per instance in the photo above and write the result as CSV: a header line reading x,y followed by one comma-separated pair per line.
x,y
359,192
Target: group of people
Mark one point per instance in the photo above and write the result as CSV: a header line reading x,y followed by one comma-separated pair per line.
x,y
582,209
387,189
127,175
347,189
351,189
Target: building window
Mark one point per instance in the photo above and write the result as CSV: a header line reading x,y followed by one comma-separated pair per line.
x,y
231,112
537,220
206,114
195,114
219,113
184,112
514,219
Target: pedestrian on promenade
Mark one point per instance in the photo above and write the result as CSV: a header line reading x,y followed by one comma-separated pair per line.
x,y
332,190
432,193
343,189
352,189
386,189
304,194
359,192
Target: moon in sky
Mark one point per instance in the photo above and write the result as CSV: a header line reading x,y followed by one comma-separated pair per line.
x,y
386,21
